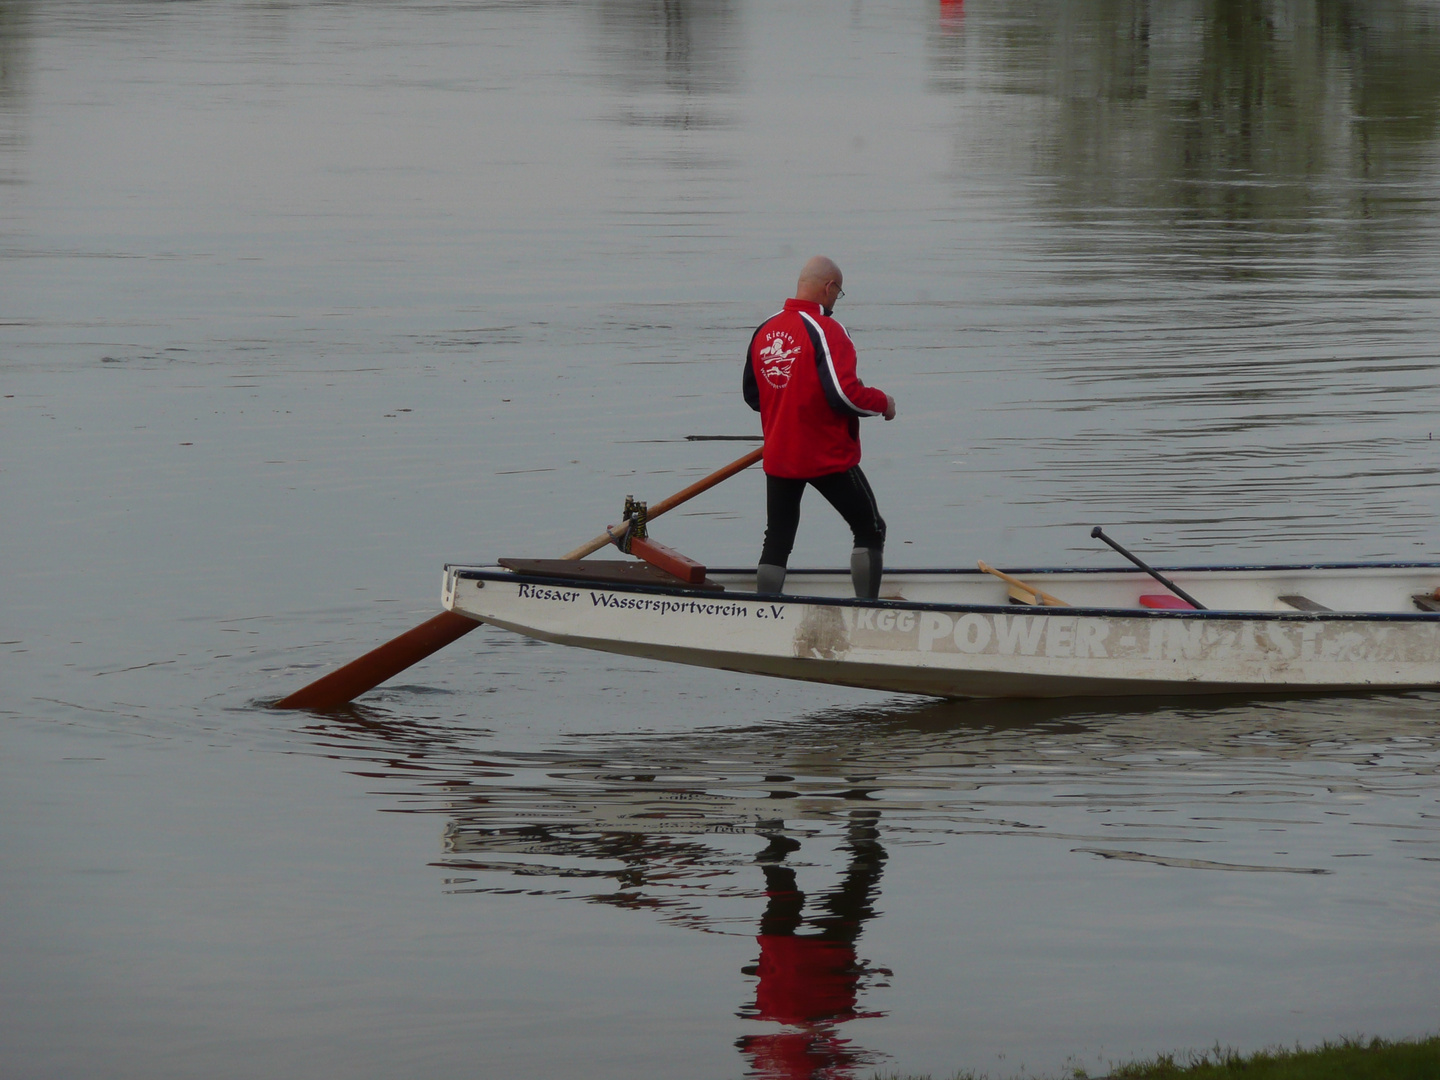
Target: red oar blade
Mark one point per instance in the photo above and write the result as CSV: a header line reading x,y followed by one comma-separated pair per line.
x,y
669,560
380,664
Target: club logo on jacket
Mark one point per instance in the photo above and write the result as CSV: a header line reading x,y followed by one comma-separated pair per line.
x,y
776,358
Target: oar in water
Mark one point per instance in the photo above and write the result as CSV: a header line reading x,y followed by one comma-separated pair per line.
x,y
372,669
369,671
1098,533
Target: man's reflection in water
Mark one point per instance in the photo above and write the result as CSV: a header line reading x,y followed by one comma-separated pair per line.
x,y
565,820
809,981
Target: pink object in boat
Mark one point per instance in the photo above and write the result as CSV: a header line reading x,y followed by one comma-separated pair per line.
x,y
1165,602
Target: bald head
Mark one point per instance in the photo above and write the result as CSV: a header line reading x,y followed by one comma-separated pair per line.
x,y
820,280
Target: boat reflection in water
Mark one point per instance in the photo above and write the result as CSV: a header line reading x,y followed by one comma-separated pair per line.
x,y
772,833
809,978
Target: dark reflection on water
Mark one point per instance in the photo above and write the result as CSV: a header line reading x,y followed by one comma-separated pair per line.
x,y
707,830
1242,202
1267,118
687,49
15,39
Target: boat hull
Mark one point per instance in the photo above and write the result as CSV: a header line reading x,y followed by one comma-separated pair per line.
x,y
972,649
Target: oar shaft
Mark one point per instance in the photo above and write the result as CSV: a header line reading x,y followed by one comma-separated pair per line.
x,y
738,465
1098,533
1050,601
592,546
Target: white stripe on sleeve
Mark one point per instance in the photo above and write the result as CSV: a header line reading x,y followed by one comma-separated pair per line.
x,y
830,367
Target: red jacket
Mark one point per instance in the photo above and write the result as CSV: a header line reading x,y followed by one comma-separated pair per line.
x,y
800,376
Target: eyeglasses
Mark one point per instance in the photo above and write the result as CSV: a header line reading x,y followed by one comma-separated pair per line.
x,y
839,292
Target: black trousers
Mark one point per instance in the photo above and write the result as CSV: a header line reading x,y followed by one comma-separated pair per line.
x,y
849,492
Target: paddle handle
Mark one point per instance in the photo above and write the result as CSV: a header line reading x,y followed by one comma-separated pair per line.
x,y
1099,534
595,545
1050,601
610,535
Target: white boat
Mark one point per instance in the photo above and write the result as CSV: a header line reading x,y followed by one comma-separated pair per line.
x,y
957,633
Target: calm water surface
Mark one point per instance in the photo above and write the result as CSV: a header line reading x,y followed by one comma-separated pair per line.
x,y
299,301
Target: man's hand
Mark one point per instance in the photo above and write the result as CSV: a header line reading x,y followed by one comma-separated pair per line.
x,y
889,407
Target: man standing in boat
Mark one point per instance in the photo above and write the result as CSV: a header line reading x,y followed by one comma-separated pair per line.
x,y
800,377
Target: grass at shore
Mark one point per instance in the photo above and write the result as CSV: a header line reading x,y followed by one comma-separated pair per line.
x,y
1349,1059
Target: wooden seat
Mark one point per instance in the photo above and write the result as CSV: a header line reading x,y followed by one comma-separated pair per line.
x,y
1302,603
603,571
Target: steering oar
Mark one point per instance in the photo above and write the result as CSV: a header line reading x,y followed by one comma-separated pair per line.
x,y
376,666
